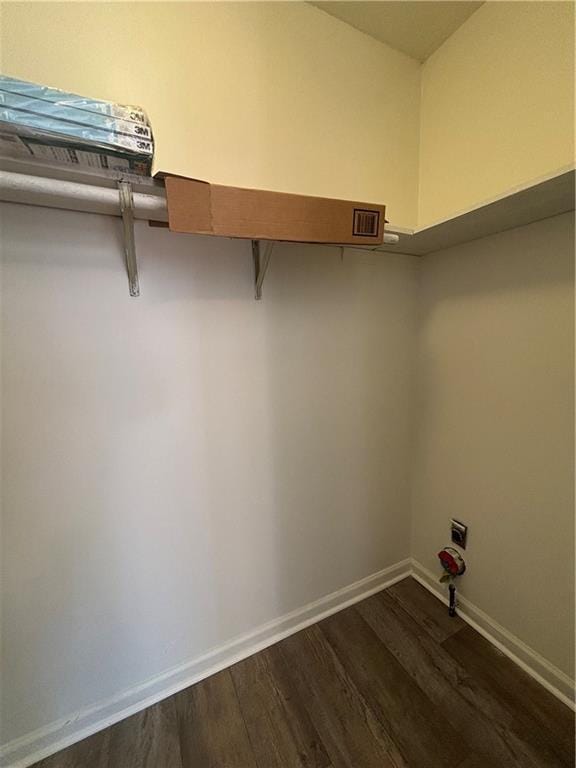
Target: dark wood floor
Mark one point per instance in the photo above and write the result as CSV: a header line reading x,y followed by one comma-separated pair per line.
x,y
392,682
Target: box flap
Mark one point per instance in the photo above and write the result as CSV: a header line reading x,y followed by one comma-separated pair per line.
x,y
189,205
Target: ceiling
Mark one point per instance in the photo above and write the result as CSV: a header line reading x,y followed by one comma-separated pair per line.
x,y
415,28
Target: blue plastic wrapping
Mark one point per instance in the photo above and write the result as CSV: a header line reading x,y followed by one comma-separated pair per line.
x,y
87,159
49,126
31,124
56,96
71,114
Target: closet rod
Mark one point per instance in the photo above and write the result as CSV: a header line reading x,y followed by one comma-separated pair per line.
x,y
74,196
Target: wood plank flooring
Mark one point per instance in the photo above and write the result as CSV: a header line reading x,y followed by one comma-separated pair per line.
x,y
392,682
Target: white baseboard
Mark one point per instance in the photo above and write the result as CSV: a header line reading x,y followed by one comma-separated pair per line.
x,y
43,742
552,678
35,746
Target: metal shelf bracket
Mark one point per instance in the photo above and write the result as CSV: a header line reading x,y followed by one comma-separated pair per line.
x,y
127,210
261,261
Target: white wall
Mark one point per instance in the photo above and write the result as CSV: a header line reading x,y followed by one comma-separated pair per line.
x,y
182,467
495,436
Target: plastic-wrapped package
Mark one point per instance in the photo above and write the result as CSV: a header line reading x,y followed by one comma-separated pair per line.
x,y
29,124
71,114
49,126
56,96
115,164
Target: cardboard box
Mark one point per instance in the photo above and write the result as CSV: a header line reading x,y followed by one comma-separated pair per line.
x,y
197,207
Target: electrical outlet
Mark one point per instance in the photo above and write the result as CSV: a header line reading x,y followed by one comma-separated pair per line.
x,y
458,533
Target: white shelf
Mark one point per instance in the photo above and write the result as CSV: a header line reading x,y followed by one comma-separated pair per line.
x,y
32,184
541,199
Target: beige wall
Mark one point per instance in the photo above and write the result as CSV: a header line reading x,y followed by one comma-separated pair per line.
x,y
270,95
495,426
497,105
284,96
